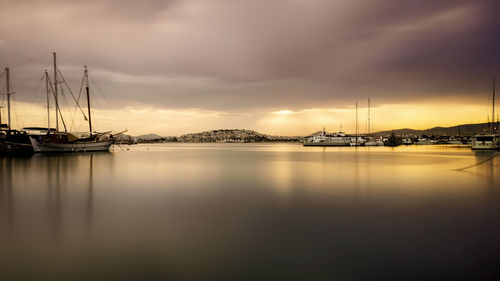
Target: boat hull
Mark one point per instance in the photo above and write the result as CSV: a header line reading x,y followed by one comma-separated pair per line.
x,y
326,144
71,147
480,146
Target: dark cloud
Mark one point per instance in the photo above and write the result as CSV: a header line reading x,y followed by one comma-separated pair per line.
x,y
260,54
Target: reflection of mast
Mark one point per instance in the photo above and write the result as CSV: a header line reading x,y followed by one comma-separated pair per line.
x,y
90,195
54,198
6,195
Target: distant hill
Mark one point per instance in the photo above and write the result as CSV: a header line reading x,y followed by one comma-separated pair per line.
x,y
234,135
148,137
463,130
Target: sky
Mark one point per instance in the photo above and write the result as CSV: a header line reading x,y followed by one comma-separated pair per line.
x,y
284,67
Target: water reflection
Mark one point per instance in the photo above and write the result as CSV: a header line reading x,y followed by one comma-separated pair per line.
x,y
6,194
247,212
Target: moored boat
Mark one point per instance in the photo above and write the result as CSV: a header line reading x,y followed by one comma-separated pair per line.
x,y
488,141
485,142
393,141
12,142
65,141
324,139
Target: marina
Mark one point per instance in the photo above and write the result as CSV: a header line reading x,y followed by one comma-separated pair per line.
x,y
200,140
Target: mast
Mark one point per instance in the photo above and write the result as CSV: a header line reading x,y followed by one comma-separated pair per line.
x,y
356,123
368,116
7,77
88,98
493,110
48,101
55,92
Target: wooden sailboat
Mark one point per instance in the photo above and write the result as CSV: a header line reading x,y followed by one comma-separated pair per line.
x,y
64,141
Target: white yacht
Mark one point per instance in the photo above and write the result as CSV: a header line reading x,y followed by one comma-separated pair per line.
x,y
324,139
485,142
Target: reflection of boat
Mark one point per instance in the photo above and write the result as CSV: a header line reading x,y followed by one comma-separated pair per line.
x,y
70,142
490,141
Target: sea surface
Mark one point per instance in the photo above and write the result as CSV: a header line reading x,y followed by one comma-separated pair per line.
x,y
251,212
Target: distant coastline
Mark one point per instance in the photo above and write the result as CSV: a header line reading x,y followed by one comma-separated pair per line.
x,y
250,136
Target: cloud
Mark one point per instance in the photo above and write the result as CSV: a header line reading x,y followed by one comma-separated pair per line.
x,y
258,56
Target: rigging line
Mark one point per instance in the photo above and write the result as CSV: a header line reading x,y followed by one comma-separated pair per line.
x,y
28,61
79,95
102,94
35,94
58,108
479,163
64,80
60,112
104,97
95,103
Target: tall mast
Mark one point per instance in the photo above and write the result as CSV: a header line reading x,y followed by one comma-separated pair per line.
x,y
88,98
55,92
368,116
48,100
493,110
7,77
356,123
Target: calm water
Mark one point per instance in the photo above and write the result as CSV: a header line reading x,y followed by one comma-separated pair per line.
x,y
251,212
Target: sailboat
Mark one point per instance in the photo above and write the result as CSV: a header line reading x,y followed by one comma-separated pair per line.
x,y
370,141
12,142
64,141
488,141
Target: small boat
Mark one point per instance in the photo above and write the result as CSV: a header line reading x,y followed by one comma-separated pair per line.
x,y
12,142
407,141
374,142
393,141
454,140
425,141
